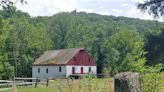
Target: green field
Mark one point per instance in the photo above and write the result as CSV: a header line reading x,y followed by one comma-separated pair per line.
x,y
62,85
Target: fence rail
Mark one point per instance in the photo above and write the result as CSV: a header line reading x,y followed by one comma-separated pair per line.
x,y
18,81
5,83
19,78
103,75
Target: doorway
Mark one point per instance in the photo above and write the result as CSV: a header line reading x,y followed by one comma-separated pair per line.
x,y
81,70
73,70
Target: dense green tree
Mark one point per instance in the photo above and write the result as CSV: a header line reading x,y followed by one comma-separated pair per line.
x,y
154,7
8,71
111,41
122,50
9,8
26,42
155,47
5,66
59,28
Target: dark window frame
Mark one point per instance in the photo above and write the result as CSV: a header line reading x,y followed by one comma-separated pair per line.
x,y
89,69
73,70
60,69
38,70
46,70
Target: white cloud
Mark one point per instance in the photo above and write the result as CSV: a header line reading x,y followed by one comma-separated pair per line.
x,y
135,13
92,0
104,13
86,10
47,7
117,10
103,7
139,1
126,4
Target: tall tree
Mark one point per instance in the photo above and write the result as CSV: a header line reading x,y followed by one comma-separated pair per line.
x,y
9,8
122,50
59,28
155,47
5,66
154,7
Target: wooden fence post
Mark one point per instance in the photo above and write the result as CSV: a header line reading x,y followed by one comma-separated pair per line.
x,y
13,84
25,82
127,82
36,83
47,82
14,88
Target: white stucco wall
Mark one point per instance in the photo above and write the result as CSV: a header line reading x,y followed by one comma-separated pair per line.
x,y
78,69
53,72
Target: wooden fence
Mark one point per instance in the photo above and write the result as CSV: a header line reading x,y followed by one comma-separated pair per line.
x,y
5,83
17,81
103,75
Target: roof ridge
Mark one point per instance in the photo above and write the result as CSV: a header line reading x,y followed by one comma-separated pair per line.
x,y
66,49
73,55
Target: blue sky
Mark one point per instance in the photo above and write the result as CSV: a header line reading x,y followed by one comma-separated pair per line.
x,y
104,7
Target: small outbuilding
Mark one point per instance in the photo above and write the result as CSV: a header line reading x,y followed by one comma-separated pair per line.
x,y
63,63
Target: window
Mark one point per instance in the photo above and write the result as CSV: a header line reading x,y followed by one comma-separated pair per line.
x,y
38,70
47,70
81,70
73,70
60,69
89,69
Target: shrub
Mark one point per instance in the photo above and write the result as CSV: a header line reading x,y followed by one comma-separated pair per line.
x,y
151,79
151,76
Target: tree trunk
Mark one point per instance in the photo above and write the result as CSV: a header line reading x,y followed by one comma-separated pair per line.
x,y
127,82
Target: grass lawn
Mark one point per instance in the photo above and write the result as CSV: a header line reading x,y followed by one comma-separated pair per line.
x,y
62,85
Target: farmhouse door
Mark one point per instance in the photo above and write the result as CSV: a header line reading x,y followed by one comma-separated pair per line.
x,y
81,70
73,70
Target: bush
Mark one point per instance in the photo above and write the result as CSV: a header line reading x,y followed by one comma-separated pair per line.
x,y
151,79
151,76
90,81
8,71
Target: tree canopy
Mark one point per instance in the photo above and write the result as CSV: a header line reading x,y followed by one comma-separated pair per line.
x,y
115,43
154,7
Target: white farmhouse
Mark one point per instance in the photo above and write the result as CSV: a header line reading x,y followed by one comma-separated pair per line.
x,y
63,63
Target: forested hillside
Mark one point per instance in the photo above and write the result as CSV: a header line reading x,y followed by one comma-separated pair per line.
x,y
116,43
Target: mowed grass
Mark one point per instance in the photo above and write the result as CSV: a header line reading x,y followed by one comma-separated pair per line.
x,y
63,85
